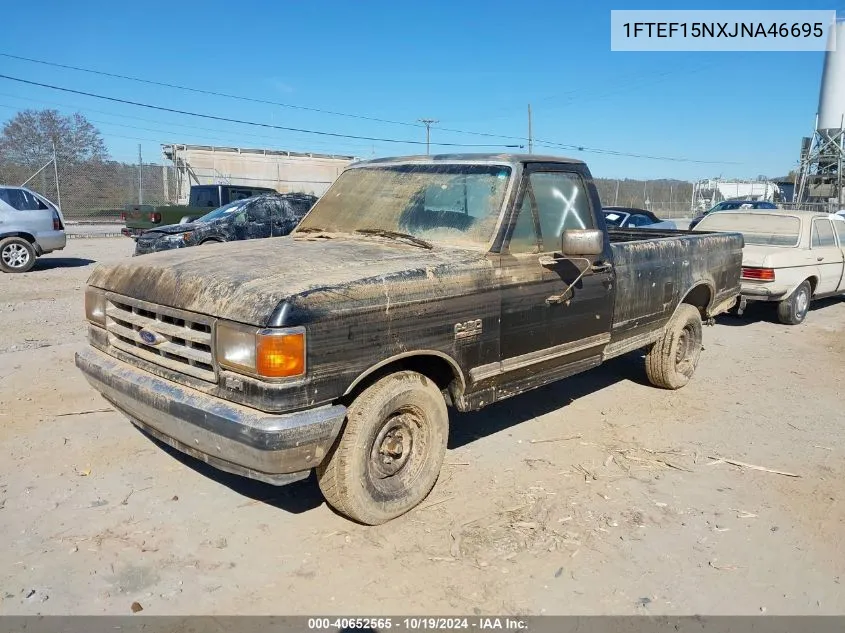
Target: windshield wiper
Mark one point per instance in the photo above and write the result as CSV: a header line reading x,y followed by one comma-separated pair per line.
x,y
313,229
397,235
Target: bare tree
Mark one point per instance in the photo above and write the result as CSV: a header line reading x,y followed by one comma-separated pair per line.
x,y
27,139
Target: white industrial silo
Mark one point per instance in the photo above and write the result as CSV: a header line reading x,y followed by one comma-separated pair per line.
x,y
832,91
823,157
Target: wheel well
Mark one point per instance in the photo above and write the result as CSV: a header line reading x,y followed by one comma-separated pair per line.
x,y
211,240
436,368
27,236
813,281
700,297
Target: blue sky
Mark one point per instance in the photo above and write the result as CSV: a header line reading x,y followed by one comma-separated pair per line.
x,y
471,65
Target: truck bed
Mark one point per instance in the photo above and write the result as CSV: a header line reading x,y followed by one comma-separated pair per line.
x,y
656,270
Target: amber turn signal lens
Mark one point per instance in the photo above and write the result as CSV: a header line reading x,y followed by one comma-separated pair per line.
x,y
280,355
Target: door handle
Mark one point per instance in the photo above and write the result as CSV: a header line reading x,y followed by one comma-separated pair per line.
x,y
819,259
601,267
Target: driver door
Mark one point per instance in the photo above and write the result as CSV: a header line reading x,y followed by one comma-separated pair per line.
x,y
541,330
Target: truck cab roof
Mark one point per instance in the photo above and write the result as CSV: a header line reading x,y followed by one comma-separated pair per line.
x,y
512,159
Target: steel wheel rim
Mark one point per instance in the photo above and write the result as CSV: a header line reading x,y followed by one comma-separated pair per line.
x,y
393,446
15,256
801,303
685,343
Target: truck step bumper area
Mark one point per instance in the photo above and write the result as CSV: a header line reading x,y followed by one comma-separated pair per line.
x,y
276,449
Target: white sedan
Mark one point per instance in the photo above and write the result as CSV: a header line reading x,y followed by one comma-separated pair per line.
x,y
789,257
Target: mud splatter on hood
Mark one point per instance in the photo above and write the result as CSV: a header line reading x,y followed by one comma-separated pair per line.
x,y
245,281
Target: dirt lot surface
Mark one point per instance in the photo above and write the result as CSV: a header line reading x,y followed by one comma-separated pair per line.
x,y
595,495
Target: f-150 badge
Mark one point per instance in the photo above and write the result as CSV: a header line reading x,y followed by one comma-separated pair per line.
x,y
467,329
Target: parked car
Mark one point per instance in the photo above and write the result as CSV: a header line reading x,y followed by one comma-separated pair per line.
x,y
30,226
202,198
412,282
269,215
790,257
628,217
733,205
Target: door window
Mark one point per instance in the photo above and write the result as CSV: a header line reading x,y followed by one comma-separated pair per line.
x,y
240,194
840,232
552,202
823,234
21,200
206,197
639,219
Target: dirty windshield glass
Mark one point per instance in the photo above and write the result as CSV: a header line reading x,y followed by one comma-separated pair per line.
x,y
441,204
222,212
757,228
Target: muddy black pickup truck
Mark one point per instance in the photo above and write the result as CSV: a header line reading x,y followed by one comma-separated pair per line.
x,y
413,284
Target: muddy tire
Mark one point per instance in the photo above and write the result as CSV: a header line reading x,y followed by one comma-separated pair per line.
x,y
671,361
390,451
793,310
16,255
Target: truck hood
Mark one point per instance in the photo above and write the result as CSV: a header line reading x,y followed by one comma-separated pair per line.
x,y
245,281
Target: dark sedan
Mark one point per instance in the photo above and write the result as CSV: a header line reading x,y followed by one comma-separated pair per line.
x,y
629,217
266,215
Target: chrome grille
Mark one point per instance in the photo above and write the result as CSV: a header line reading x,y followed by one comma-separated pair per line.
x,y
184,338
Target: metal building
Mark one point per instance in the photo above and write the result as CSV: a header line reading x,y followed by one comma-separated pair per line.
x,y
280,170
708,192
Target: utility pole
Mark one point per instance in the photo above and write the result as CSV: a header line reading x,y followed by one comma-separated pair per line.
x,y
530,132
140,170
616,197
428,123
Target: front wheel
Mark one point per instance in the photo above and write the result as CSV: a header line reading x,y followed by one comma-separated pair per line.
x,y
389,454
672,360
793,310
16,255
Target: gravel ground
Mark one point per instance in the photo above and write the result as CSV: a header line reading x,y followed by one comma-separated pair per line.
x,y
596,495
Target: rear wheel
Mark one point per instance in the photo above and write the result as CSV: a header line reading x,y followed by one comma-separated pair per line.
x,y
389,454
16,255
793,310
672,360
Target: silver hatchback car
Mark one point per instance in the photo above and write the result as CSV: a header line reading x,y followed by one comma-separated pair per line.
x,y
30,226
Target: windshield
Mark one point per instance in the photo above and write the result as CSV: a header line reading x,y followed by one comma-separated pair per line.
x,y
765,229
224,211
614,218
453,204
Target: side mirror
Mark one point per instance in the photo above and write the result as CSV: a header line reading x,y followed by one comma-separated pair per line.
x,y
581,242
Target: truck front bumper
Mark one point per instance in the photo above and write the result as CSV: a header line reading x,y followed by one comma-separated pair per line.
x,y
277,449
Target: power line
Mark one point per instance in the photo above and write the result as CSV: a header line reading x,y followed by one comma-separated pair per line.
x,y
541,142
230,134
205,92
241,121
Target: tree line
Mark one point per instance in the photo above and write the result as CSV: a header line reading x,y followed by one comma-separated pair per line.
x,y
91,183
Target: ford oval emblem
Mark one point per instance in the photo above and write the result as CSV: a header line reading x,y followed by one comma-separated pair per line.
x,y
150,338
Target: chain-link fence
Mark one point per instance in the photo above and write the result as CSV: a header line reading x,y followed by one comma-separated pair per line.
x,y
667,199
95,191
98,191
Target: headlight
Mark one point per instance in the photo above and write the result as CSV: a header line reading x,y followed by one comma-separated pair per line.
x,y
178,238
95,306
266,353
